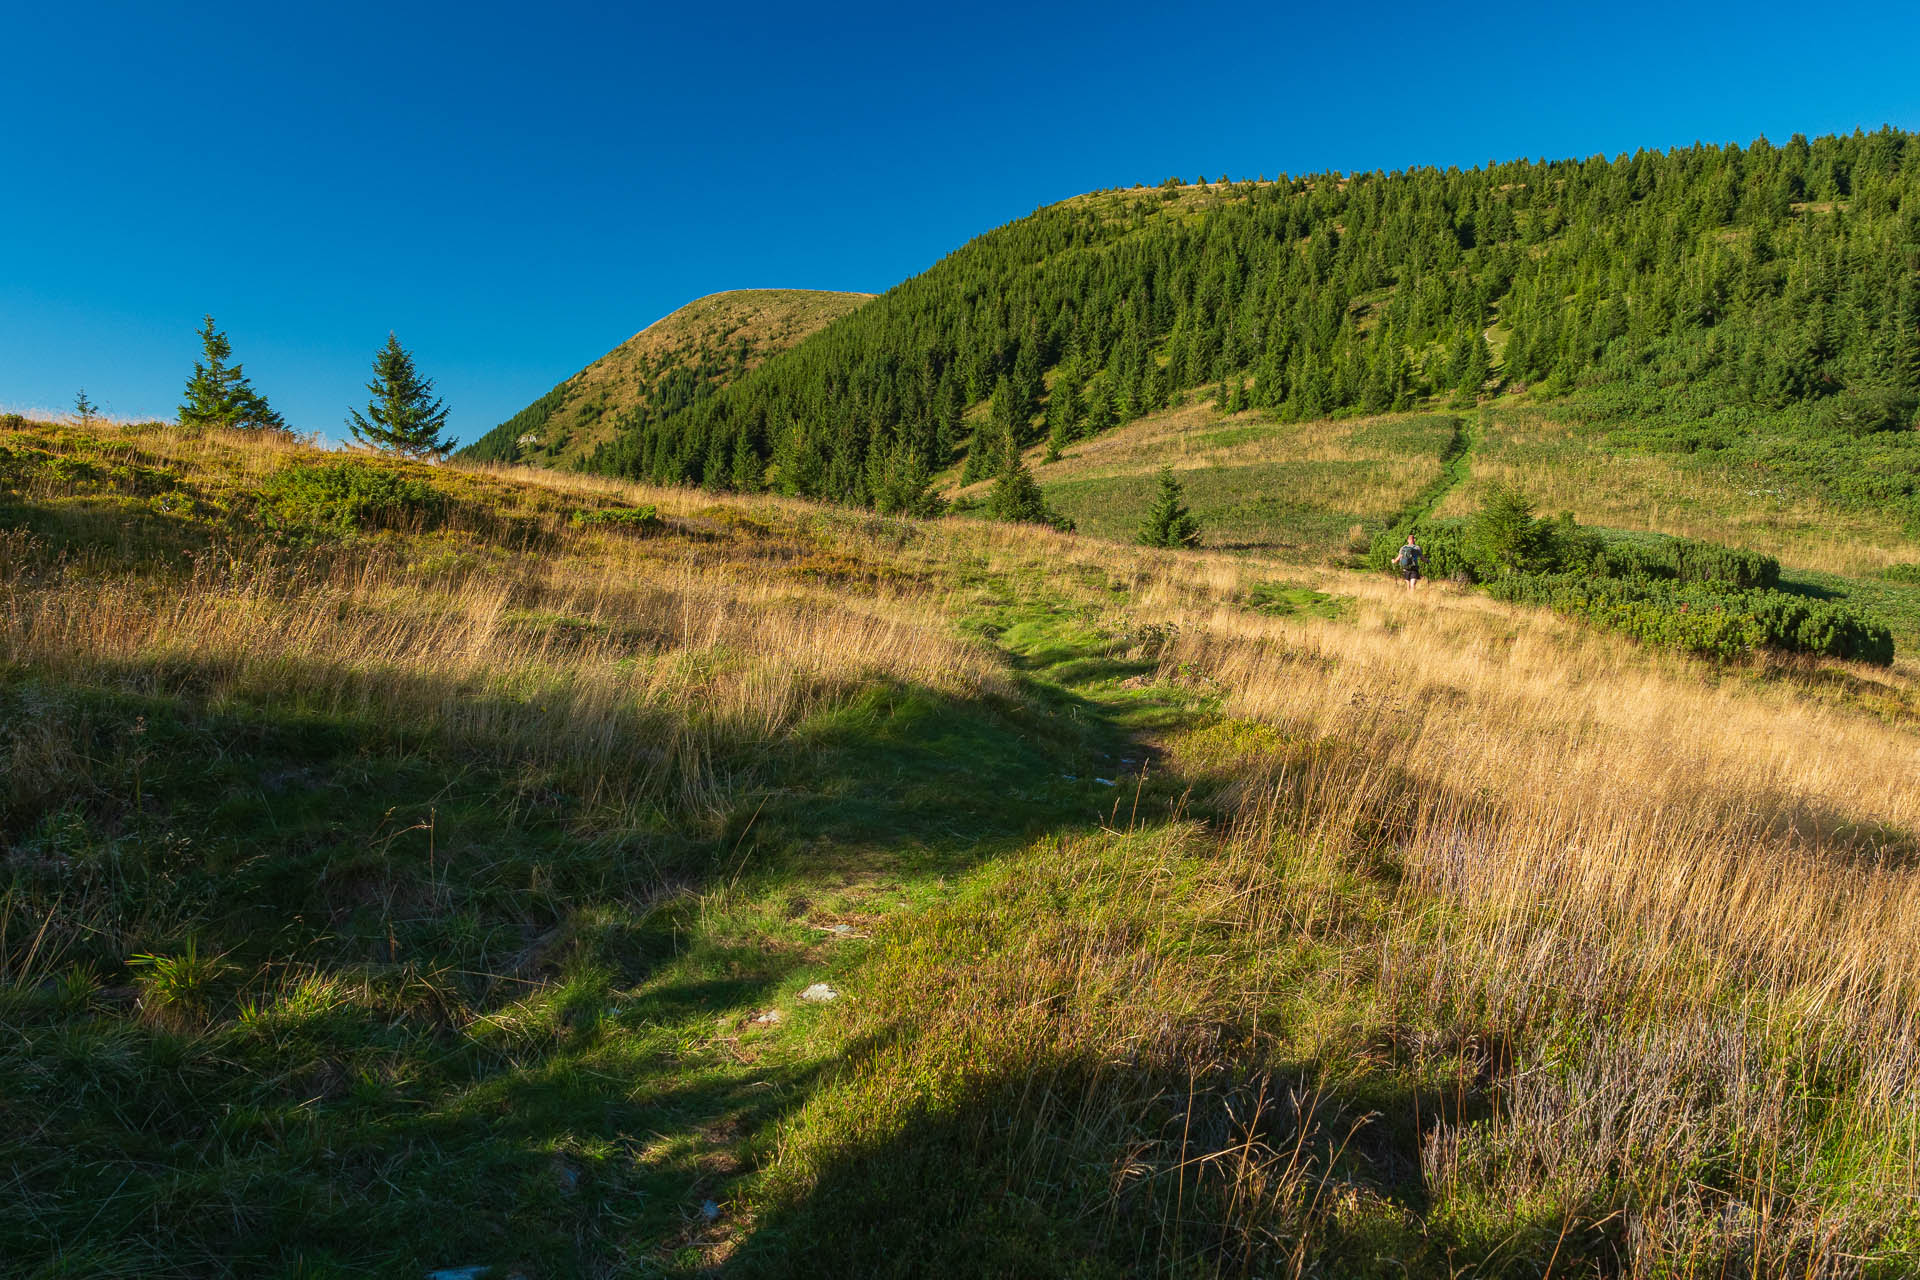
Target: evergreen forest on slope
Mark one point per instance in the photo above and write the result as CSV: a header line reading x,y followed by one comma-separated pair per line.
x,y
1757,303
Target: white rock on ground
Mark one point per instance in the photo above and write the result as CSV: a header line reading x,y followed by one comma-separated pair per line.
x,y
819,993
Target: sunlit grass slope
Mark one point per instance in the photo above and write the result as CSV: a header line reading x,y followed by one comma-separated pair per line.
x,y
1301,488
703,345
1296,487
1548,454
407,868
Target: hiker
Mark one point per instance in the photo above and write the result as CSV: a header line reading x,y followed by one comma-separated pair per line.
x,y
1409,562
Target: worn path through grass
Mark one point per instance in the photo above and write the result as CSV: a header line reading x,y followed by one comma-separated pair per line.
x,y
903,796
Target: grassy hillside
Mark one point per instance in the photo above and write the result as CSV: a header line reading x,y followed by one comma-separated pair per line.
x,y
1255,482
1748,308
668,365
407,868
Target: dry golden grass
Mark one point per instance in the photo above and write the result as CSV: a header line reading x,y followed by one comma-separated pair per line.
x,y
1695,880
619,661
1659,917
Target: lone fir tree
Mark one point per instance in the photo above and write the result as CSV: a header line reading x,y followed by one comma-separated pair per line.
x,y
1016,496
403,417
1169,523
219,395
84,409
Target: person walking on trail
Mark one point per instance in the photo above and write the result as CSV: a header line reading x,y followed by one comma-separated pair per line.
x,y
1409,562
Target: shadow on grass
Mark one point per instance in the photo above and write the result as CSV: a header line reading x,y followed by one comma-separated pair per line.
x,y
1086,1165
516,1044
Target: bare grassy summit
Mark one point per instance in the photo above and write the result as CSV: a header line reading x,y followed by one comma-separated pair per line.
x,y
701,347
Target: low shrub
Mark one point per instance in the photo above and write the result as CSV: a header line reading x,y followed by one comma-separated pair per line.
x,y
1902,573
1866,411
340,498
1688,560
634,519
1707,619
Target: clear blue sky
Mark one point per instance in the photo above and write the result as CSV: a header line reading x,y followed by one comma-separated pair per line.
x,y
515,189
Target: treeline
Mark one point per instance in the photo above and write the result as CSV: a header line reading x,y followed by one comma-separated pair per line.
x,y
1767,276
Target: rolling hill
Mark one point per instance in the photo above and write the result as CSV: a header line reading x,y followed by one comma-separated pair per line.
x,y
669,365
1748,315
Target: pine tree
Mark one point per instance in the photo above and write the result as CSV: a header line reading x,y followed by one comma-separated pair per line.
x,y
1506,532
84,408
909,486
1063,414
403,417
1016,496
745,472
1170,523
219,395
1100,412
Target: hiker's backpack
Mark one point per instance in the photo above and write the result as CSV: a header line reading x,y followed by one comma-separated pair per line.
x,y
1408,554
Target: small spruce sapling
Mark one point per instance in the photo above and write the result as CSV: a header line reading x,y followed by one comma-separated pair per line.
x,y
403,417
1016,496
1506,533
1170,523
84,409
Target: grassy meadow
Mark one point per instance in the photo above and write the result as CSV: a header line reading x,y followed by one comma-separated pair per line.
x,y
1566,466
1294,488
406,868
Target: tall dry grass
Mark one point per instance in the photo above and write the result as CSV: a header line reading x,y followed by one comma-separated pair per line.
x,y
623,664
1685,908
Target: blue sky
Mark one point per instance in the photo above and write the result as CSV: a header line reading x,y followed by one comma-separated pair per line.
x,y
515,189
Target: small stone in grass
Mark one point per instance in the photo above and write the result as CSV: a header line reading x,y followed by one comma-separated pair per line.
x,y
819,992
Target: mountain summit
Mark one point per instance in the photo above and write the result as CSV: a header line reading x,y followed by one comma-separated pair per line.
x,y
668,366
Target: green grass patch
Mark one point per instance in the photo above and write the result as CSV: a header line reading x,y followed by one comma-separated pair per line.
x,y
1279,600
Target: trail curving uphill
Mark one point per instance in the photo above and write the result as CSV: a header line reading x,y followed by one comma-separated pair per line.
x,y
1456,460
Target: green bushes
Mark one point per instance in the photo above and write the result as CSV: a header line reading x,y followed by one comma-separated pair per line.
x,y
1902,573
1708,619
1688,560
644,519
339,498
1866,411
1677,593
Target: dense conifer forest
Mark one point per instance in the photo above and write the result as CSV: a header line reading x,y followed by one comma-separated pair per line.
x,y
1759,301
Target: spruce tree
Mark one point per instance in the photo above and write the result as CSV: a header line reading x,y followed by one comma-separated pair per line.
x,y
219,395
1016,496
1170,523
84,408
1506,533
403,417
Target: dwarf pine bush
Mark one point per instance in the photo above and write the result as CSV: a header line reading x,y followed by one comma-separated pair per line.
x,y
339,498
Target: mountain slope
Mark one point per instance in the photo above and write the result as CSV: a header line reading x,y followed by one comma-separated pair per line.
x,y
1760,302
671,363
